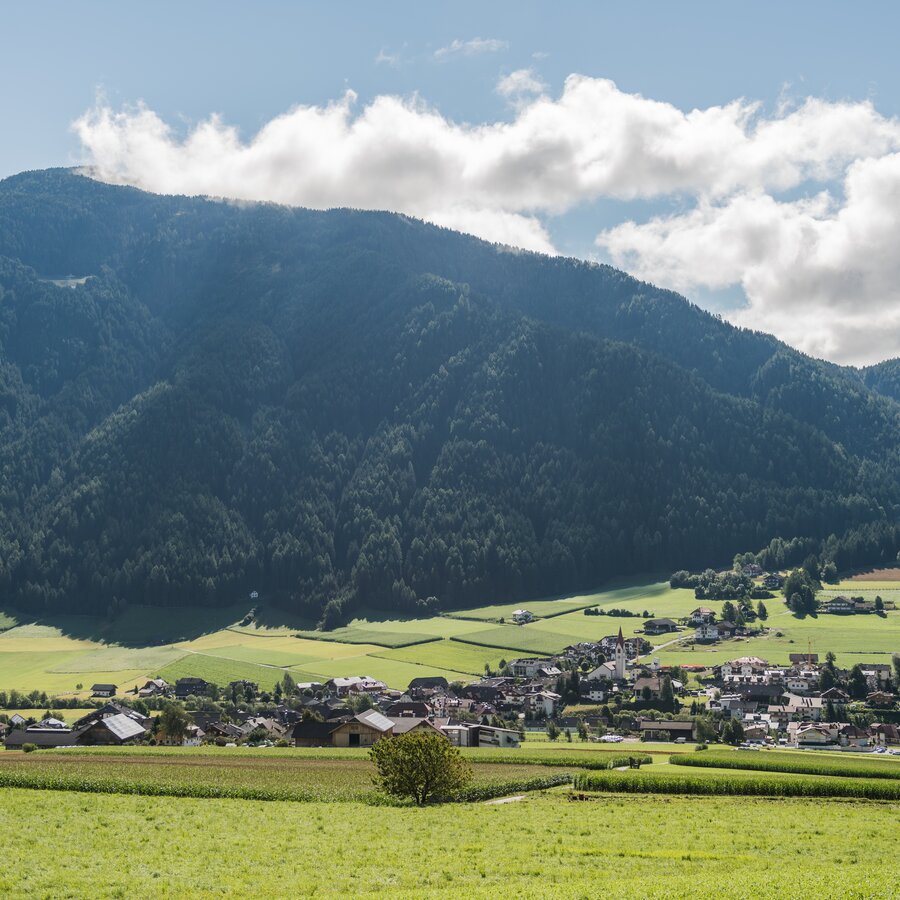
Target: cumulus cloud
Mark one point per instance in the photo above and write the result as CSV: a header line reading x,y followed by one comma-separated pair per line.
x,y
800,207
470,47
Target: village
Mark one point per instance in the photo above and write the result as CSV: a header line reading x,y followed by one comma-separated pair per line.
x,y
598,691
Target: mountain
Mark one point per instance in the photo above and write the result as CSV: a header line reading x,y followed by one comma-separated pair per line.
x,y
344,409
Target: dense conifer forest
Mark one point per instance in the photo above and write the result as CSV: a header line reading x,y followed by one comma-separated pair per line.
x,y
344,409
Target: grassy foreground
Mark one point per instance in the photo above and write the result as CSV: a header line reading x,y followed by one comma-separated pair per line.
x,y
543,846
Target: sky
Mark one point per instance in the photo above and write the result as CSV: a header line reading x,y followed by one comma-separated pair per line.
x,y
747,156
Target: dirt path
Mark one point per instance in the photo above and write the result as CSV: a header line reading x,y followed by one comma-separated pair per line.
x,y
500,800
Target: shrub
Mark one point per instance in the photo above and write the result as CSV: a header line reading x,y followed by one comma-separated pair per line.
x,y
29,748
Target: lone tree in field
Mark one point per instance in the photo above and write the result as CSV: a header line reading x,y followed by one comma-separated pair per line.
x,y
419,765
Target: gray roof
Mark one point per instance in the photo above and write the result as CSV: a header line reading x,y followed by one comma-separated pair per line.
x,y
375,719
122,726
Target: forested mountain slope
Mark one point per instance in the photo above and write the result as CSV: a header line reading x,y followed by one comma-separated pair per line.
x,y
345,408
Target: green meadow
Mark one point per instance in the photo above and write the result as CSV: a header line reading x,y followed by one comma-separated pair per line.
x,y
59,653
543,845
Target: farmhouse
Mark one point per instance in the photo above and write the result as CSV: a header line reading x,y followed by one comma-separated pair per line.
x,y
702,615
103,690
155,687
522,616
659,626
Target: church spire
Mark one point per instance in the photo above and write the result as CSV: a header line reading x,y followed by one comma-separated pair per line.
x,y
620,640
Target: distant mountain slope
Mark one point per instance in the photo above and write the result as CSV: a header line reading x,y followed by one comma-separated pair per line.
x,y
348,408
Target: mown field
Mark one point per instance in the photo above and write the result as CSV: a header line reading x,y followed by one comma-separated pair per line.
x,y
56,655
659,847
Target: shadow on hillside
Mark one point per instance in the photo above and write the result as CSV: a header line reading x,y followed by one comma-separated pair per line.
x,y
141,626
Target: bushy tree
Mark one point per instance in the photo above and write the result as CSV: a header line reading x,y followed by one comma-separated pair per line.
x,y
174,721
732,732
419,765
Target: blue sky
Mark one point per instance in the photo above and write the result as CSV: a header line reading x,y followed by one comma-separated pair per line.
x,y
253,63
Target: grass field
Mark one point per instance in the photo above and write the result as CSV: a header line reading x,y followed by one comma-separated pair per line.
x,y
55,655
658,847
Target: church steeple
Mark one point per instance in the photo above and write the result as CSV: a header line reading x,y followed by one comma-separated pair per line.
x,y
620,656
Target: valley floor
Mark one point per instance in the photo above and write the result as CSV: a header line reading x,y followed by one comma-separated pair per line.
x,y
61,844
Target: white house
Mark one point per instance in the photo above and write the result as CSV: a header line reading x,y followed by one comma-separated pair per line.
x,y
521,616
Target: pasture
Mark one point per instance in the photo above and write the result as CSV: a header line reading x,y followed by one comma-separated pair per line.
x,y
57,654
730,847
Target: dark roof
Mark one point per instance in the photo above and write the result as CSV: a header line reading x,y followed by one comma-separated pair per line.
x,y
313,729
429,681
103,687
49,737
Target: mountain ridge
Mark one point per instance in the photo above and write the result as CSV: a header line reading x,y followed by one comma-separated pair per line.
x,y
354,408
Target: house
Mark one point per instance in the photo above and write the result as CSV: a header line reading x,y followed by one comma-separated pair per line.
x,y
155,687
521,616
415,708
796,709
363,730
227,730
880,698
752,570
193,737
799,659
744,666
103,690
878,675
466,735
666,731
659,626
112,730
885,733
807,734
707,633
836,695
702,615
542,703
852,736
528,668
838,605
772,581
756,731
356,684
653,684
190,687
17,720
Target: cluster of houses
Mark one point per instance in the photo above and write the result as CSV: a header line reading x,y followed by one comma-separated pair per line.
x,y
785,702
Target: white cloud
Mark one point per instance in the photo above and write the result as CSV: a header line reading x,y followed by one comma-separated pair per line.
x,y
520,85
817,264
470,47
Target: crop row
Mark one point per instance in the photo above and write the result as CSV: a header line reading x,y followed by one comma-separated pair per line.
x,y
488,791
788,762
649,782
